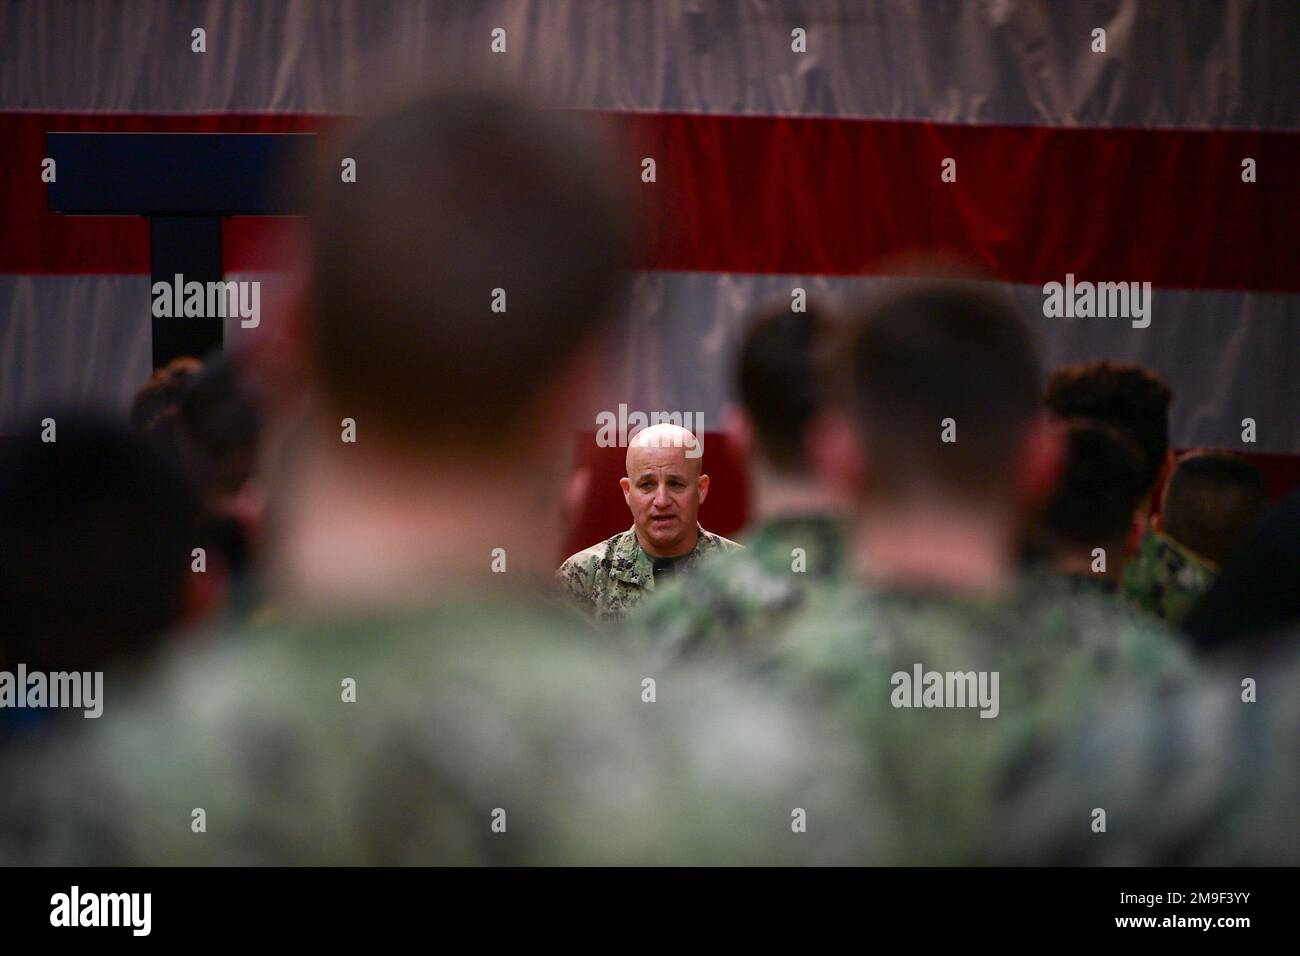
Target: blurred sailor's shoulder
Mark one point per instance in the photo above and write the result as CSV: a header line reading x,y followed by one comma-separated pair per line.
x,y
741,602
488,730
1166,578
1206,775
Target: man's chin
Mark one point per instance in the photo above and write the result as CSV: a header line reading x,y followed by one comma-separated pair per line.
x,y
665,538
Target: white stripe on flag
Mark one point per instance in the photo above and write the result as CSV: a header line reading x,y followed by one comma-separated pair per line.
x,y
1227,355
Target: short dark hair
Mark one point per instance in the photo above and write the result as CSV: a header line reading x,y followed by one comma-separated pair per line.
x,y
780,382
458,194
936,350
97,529
1256,597
1100,488
1211,501
1129,397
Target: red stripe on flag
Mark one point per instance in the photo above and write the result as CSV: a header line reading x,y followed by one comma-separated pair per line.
x,y
831,196
838,196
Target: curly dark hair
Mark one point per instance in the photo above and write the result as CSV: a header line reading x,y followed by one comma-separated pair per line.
x,y
1126,396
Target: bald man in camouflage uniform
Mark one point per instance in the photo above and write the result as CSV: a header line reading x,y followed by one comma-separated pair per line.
x,y
736,605
423,697
664,488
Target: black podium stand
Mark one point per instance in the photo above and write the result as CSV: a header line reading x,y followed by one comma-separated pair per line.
x,y
184,183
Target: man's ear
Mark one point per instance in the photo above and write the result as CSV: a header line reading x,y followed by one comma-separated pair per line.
x,y
627,490
740,431
704,487
1040,462
836,453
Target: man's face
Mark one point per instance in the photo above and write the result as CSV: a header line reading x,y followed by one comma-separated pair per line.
x,y
664,490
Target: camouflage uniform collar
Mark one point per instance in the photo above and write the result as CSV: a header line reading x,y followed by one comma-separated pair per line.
x,y
1159,541
632,564
1085,583
784,523
823,538
524,597
931,595
787,527
1039,574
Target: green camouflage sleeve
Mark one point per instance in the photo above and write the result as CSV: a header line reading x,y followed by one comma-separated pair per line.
x,y
669,619
729,612
1165,581
1054,654
586,757
575,577
1207,776
727,546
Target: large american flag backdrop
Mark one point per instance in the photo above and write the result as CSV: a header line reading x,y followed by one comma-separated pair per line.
x,y
776,168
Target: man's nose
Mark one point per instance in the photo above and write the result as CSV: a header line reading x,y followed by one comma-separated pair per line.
x,y
662,498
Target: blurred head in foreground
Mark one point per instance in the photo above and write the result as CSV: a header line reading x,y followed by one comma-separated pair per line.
x,y
781,383
941,444
1211,501
455,293
429,718
1257,596
96,534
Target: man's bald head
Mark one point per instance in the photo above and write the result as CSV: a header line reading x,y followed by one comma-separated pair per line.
x,y
665,436
664,488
